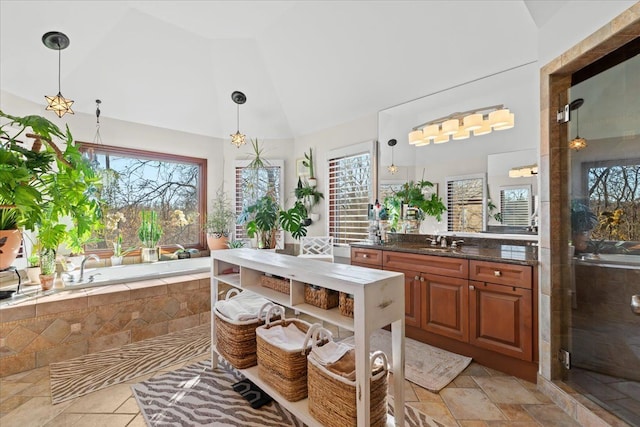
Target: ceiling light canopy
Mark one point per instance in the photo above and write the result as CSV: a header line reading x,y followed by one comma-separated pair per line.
x,y
457,126
238,138
58,104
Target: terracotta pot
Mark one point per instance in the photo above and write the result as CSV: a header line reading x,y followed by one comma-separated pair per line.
x,y
217,241
10,248
46,280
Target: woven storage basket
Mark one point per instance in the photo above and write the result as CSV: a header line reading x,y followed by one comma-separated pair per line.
x,y
320,297
276,283
346,305
236,340
332,398
284,370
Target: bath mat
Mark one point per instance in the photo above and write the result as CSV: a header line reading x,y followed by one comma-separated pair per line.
x,y
81,375
196,396
427,366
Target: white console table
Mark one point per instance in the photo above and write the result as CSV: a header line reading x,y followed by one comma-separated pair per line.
x,y
378,301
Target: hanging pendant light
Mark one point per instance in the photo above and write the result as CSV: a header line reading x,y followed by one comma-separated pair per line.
x,y
392,168
237,138
97,139
58,104
577,143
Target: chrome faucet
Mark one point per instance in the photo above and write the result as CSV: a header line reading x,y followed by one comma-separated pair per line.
x,y
456,243
443,242
85,259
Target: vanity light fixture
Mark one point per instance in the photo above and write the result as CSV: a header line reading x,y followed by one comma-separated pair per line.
x,y
58,104
392,168
523,171
479,121
577,143
237,138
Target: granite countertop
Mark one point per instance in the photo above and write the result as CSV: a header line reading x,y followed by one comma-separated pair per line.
x,y
501,252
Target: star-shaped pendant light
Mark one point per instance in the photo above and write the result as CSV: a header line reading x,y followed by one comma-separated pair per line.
x,y
58,104
237,138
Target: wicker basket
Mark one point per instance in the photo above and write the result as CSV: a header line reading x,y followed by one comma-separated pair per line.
x,y
276,283
320,297
346,305
284,370
332,398
236,340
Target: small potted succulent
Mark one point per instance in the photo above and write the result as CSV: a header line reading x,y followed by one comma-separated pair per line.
x,y
149,234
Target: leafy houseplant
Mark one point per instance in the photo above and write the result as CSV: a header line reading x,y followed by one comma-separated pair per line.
x,y
583,220
411,194
45,183
149,234
10,236
309,196
308,162
219,221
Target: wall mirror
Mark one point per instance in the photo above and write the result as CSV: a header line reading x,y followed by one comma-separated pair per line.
x,y
492,155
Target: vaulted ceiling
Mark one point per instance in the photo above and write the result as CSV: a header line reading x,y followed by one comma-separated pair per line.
x,y
304,65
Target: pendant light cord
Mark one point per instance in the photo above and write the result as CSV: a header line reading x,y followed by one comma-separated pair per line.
x,y
59,68
238,117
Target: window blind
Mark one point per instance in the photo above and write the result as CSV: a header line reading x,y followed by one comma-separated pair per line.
x,y
515,207
349,197
252,184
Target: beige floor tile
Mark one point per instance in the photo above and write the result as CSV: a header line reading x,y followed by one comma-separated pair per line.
x,y
41,388
9,389
475,370
12,402
515,412
505,390
426,395
470,404
512,424
438,411
102,401
409,394
550,415
64,420
37,411
104,420
138,421
464,382
472,423
130,406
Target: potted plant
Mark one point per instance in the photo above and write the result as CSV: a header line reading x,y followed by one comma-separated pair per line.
x,y
310,197
118,252
583,220
149,234
410,196
10,236
308,162
33,268
220,220
47,268
46,183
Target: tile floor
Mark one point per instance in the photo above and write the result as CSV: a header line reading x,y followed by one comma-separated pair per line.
x,y
478,397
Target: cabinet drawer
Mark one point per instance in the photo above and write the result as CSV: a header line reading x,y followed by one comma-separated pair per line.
x,y
367,257
443,266
519,276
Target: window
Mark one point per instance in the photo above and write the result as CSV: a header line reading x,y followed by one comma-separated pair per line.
x,y
135,181
350,192
250,188
515,205
465,203
613,187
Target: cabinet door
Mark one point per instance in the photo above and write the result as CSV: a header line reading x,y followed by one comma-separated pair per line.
x,y
501,319
411,296
445,306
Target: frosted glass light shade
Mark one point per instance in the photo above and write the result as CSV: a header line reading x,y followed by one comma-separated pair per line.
x,y
415,137
472,121
510,123
462,133
499,117
578,143
515,173
450,127
431,131
423,142
484,129
441,138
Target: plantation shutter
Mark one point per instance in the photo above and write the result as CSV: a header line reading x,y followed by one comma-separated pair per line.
x,y
465,204
350,193
515,207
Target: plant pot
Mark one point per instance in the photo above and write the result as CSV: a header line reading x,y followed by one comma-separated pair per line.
x,y
33,273
314,216
46,280
116,260
150,254
312,182
217,240
10,248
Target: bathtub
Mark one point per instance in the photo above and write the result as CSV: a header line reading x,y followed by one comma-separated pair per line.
x,y
135,272
623,260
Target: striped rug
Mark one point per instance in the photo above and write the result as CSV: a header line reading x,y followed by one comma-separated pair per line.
x,y
198,396
81,375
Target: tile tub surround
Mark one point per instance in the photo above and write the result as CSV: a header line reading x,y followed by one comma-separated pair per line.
x,y
72,323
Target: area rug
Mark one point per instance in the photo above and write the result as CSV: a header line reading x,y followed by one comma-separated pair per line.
x,y
427,366
199,396
81,375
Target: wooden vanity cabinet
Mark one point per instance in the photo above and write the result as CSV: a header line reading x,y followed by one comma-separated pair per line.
x,y
371,258
411,296
445,306
501,308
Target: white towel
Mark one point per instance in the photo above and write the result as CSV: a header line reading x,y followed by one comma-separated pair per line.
x,y
244,306
329,353
289,338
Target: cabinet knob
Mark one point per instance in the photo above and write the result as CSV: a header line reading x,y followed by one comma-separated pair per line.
x,y
422,279
416,278
365,256
497,273
472,287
